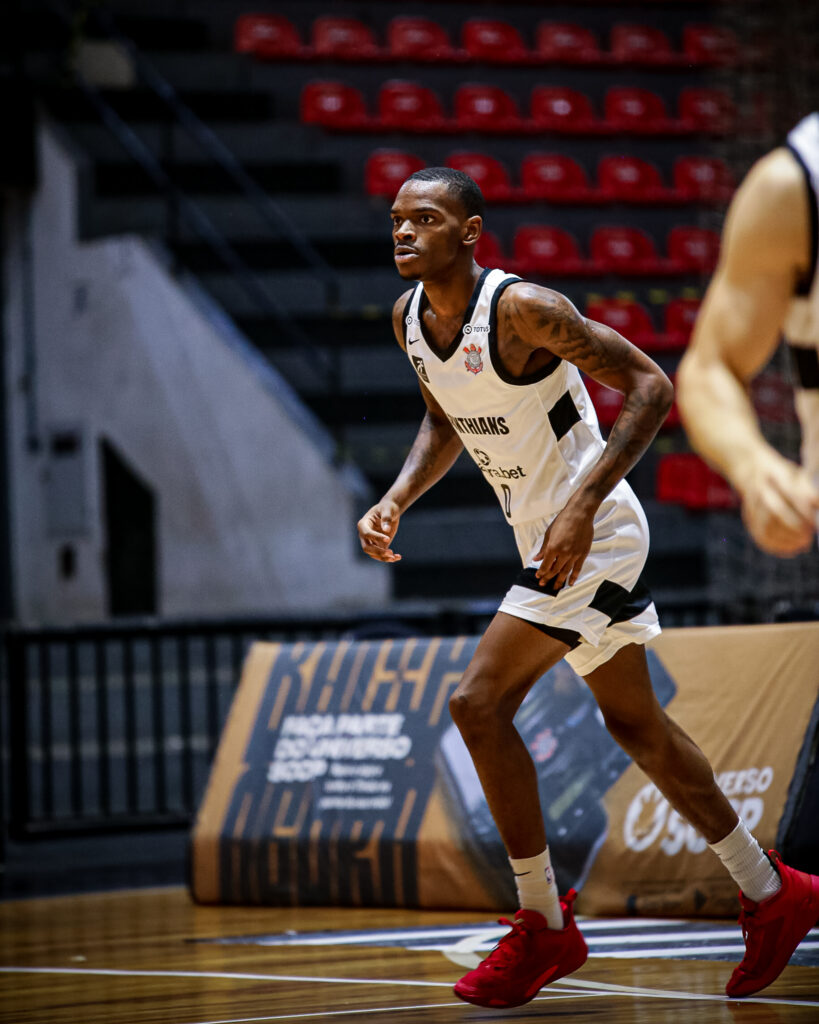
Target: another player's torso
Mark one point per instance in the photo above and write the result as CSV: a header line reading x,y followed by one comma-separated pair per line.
x,y
532,437
802,323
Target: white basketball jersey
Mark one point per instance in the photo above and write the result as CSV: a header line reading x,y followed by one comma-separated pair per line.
x,y
802,322
533,438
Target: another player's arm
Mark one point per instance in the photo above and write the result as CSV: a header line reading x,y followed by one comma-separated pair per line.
x,y
434,451
765,251
535,317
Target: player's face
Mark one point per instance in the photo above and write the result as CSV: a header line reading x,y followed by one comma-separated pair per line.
x,y
428,229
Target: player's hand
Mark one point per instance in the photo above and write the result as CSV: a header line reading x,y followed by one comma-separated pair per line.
x,y
376,530
565,547
780,505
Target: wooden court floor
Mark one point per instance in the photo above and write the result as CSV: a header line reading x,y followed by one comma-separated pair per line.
x,y
153,957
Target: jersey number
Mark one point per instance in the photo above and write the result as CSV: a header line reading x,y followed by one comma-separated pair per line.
x,y
507,500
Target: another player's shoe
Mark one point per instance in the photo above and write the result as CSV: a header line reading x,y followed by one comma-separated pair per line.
x,y
527,958
774,928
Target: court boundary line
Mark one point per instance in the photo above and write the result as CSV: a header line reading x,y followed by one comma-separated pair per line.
x,y
595,987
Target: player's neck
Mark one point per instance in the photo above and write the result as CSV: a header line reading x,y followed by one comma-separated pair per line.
x,y
449,297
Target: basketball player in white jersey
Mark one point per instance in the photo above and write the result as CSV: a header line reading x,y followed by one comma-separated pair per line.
x,y
498,363
766,283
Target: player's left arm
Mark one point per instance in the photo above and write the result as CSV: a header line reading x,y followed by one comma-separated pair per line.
x,y
536,317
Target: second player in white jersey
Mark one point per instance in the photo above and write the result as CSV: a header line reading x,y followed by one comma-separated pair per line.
x,y
802,319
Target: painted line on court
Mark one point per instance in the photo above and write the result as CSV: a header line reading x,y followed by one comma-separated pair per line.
x,y
675,952
556,997
117,972
564,990
610,988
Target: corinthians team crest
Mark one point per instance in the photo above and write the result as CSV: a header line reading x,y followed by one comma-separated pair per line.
x,y
474,360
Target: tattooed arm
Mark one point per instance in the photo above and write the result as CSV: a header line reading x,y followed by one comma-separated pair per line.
x,y
532,318
435,449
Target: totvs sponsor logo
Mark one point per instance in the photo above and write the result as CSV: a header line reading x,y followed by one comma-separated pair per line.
x,y
651,820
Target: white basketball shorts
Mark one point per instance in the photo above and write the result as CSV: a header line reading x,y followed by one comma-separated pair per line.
x,y
608,606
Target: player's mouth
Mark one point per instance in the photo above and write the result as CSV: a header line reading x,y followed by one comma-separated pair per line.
x,y
405,254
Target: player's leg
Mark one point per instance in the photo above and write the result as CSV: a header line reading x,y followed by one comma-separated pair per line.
x,y
667,755
510,658
779,905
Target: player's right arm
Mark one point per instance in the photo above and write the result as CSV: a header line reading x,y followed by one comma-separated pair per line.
x,y
765,251
434,451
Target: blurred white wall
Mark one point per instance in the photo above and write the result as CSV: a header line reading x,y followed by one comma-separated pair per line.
x,y
102,342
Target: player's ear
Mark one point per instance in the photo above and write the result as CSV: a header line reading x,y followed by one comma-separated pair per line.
x,y
472,230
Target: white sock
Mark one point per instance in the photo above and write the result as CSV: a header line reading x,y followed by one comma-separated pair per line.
x,y
537,889
747,864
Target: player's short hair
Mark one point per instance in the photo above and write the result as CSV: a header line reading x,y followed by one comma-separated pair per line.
x,y
464,188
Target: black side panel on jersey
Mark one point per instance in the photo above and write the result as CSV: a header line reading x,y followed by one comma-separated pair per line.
x,y
806,366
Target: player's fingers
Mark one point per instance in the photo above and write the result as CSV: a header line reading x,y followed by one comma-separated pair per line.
x,y
380,554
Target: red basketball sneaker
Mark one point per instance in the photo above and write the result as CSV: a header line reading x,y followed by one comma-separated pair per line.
x,y
774,928
527,958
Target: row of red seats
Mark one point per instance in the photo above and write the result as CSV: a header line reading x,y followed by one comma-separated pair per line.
x,y
489,40
561,179
553,252
684,479
407,106
607,404
631,319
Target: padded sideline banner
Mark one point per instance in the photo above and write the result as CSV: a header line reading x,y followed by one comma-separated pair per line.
x,y
745,694
340,779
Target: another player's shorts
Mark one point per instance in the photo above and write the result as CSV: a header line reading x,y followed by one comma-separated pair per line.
x,y
608,606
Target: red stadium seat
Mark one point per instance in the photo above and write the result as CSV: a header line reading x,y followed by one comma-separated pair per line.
x,y
641,45
490,174
555,177
703,178
627,317
684,479
387,169
419,39
629,109
408,106
547,250
555,108
693,249
270,36
629,179
488,251
344,39
333,105
710,44
624,250
606,401
564,43
488,39
679,317
707,110
485,108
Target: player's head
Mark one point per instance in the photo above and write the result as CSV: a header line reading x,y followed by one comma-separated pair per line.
x,y
436,221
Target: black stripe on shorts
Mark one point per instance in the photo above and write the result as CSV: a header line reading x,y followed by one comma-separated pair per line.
x,y
620,604
806,366
570,637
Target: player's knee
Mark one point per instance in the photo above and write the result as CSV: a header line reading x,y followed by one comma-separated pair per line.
x,y
475,712
641,736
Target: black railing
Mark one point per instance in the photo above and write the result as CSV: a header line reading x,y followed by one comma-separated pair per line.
x,y
114,727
